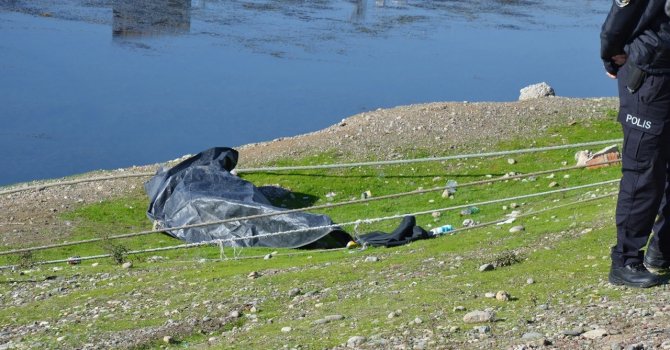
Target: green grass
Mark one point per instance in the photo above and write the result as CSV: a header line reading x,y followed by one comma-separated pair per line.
x,y
425,279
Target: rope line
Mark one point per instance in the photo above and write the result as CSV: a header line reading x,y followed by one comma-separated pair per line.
x,y
72,182
290,211
450,233
430,159
325,166
355,222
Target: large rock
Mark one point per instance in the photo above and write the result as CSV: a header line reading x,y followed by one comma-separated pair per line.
x,y
536,91
478,317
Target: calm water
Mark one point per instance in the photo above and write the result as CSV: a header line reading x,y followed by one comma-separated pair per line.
x,y
93,84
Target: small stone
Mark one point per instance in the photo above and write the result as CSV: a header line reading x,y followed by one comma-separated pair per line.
x,y
168,339
436,214
573,332
532,335
530,281
478,317
234,314
511,161
294,292
127,265
334,317
517,229
267,257
459,308
482,329
486,267
371,259
502,296
95,264
418,321
392,315
490,295
212,339
454,329
553,184
252,275
595,334
355,341
513,205
286,329
60,339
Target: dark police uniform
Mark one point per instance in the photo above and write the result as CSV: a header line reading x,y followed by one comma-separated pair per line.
x,y
640,29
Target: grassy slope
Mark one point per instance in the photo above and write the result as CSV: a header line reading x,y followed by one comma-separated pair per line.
x,y
562,250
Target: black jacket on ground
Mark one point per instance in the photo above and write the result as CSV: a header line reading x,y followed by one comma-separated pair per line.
x,y
640,29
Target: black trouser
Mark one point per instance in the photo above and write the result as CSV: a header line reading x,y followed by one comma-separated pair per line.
x,y
644,190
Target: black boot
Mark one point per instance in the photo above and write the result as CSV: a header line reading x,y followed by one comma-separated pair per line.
x,y
634,275
655,261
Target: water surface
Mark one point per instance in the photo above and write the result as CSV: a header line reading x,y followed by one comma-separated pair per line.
x,y
102,84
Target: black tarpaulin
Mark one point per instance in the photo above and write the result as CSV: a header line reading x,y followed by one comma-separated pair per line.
x,y
201,189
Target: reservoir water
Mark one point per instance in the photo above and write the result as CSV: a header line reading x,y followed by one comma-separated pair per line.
x,y
103,84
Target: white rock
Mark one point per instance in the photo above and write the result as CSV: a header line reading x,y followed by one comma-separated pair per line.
x,y
536,91
486,267
516,229
502,296
127,265
286,329
478,317
595,334
355,341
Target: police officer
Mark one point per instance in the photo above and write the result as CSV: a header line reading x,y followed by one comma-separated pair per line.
x,y
635,48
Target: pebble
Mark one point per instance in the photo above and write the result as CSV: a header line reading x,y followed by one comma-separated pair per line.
x,y
59,339
252,275
95,264
502,296
478,316
286,329
418,321
490,295
595,334
355,341
334,317
392,315
516,229
483,329
168,339
267,257
532,335
371,259
573,332
294,292
459,308
234,314
127,265
486,267
436,214
530,281
553,184
511,161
